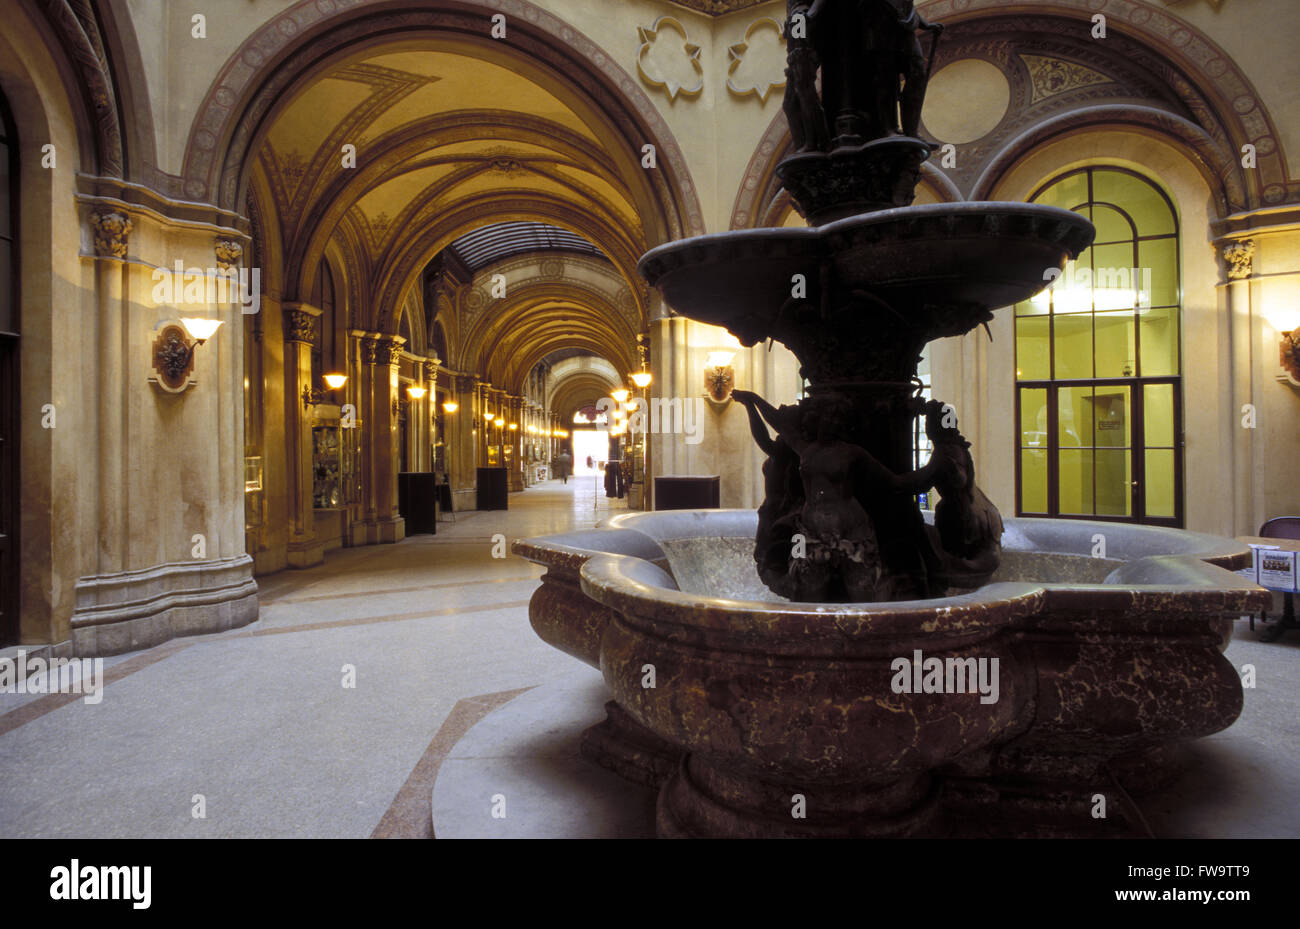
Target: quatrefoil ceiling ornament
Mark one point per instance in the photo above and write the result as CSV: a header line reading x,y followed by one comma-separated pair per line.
x,y
668,61
758,63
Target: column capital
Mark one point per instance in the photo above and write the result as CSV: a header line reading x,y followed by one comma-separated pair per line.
x,y
300,322
388,349
1239,257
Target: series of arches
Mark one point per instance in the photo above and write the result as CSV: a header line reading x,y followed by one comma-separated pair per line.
x,y
567,151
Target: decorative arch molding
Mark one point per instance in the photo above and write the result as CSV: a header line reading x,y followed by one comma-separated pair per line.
x,y
1197,72
1215,165
78,30
336,198
577,390
508,337
442,229
269,65
264,230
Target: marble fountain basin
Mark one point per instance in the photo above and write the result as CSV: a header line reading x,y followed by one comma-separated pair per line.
x,y
915,258
1067,677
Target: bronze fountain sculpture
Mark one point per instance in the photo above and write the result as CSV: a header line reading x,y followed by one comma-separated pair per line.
x,y
775,674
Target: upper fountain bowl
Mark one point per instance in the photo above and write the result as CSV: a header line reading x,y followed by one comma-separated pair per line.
x,y
980,255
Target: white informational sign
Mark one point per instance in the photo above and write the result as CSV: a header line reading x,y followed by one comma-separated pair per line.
x,y
1277,569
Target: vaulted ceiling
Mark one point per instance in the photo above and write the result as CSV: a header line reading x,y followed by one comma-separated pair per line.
x,y
445,142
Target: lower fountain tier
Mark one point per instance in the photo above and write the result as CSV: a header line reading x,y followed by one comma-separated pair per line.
x,y
1102,667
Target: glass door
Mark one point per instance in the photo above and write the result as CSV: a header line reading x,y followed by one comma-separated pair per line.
x,y
1106,450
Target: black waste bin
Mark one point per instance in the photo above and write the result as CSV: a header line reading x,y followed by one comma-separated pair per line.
x,y
493,489
417,501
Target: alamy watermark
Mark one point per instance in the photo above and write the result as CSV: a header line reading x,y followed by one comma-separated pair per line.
x,y
240,287
659,416
23,675
921,675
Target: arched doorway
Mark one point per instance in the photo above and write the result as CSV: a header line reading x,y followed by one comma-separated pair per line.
x,y
1098,362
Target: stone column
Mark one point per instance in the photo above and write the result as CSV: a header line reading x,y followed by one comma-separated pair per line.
x,y
389,525
461,439
429,415
514,438
300,322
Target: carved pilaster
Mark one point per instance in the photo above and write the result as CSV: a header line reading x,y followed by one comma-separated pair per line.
x,y
369,351
111,232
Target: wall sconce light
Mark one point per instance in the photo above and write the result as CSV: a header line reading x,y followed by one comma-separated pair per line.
x,y
498,422
488,417
173,351
719,376
312,396
1286,320
642,379
620,395
451,406
416,393
514,427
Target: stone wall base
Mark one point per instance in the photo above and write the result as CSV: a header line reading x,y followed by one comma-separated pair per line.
x,y
132,610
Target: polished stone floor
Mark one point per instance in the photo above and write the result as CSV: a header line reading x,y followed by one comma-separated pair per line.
x,y
459,710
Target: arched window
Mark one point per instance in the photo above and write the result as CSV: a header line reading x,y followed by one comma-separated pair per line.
x,y
1099,392
9,422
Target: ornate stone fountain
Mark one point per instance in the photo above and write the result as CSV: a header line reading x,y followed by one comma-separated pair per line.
x,y
825,683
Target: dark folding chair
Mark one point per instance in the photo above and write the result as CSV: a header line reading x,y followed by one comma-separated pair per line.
x,y
1280,527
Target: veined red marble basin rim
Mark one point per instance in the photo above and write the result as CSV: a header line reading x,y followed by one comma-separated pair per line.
x,y
766,698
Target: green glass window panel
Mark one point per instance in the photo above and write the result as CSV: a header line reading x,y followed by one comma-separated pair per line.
x,y
1074,417
1114,476
1112,417
1138,197
1159,483
1158,330
1116,341
1158,415
1161,256
1039,305
1033,418
1073,343
1067,193
1112,277
1033,480
1112,225
1074,481
1034,348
